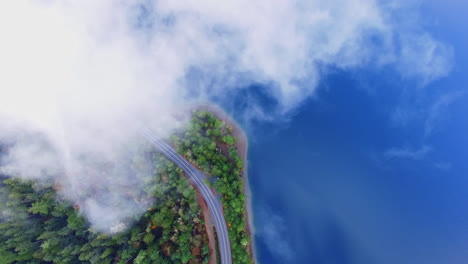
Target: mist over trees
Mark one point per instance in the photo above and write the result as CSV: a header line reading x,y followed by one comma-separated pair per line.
x,y
39,226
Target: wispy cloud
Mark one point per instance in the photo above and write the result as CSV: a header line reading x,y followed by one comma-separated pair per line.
x,y
408,153
443,165
274,233
403,116
428,119
435,59
437,109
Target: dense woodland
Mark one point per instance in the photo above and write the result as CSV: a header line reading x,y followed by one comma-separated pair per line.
x,y
37,225
209,144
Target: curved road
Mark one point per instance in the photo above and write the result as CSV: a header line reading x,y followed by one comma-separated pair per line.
x,y
197,176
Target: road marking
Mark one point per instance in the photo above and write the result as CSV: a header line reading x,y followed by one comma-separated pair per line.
x,y
177,157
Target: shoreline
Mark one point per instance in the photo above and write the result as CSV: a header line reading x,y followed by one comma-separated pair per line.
x,y
242,147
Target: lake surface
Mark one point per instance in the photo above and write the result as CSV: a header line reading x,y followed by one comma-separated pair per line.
x,y
326,188
373,169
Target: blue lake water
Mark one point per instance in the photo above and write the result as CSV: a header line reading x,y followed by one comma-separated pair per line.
x,y
326,189
348,181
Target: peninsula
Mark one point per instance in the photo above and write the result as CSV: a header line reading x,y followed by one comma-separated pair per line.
x,y
216,145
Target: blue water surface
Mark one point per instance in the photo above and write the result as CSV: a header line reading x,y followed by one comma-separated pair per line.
x,y
372,169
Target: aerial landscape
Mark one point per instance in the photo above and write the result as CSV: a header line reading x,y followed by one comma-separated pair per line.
x,y
174,228
295,131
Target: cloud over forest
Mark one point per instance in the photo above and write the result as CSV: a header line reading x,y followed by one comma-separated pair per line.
x,y
78,76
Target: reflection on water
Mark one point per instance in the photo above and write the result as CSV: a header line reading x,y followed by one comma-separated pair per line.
x,y
326,191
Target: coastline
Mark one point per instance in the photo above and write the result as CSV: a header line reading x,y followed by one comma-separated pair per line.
x,y
242,147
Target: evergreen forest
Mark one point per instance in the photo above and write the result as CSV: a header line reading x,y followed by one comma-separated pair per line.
x,y
38,225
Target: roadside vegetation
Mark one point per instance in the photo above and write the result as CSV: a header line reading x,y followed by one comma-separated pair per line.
x,y
208,143
38,226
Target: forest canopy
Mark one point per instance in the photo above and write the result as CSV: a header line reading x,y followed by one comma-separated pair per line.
x,y
38,225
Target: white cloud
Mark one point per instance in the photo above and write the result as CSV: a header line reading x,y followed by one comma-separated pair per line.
x,y
425,58
85,73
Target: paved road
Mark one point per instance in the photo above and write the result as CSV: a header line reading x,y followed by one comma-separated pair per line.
x,y
197,176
